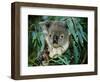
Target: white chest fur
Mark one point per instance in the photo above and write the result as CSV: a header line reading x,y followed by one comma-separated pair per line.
x,y
54,52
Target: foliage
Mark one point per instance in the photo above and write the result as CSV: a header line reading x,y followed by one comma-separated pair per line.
x,y
77,51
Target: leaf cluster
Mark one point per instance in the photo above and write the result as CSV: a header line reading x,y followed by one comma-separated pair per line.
x,y
77,51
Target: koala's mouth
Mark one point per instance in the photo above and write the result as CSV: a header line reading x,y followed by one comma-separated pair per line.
x,y
55,45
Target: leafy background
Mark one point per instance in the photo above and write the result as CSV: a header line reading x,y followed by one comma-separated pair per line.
x,y
77,51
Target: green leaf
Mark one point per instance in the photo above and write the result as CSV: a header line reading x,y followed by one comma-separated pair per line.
x,y
80,38
76,53
62,60
71,27
80,29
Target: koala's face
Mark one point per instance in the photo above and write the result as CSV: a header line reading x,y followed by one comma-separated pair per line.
x,y
56,39
56,33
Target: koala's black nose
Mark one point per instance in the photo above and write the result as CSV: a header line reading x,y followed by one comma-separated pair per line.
x,y
55,39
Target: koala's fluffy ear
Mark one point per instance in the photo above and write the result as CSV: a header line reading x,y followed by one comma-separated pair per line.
x,y
64,23
45,26
48,24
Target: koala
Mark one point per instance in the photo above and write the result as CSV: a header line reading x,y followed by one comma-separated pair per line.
x,y
56,37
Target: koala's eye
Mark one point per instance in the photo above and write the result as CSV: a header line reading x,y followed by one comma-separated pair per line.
x,y
49,35
62,36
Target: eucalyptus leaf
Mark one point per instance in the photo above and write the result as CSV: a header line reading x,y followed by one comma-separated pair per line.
x,y
76,53
63,60
77,26
71,28
80,38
